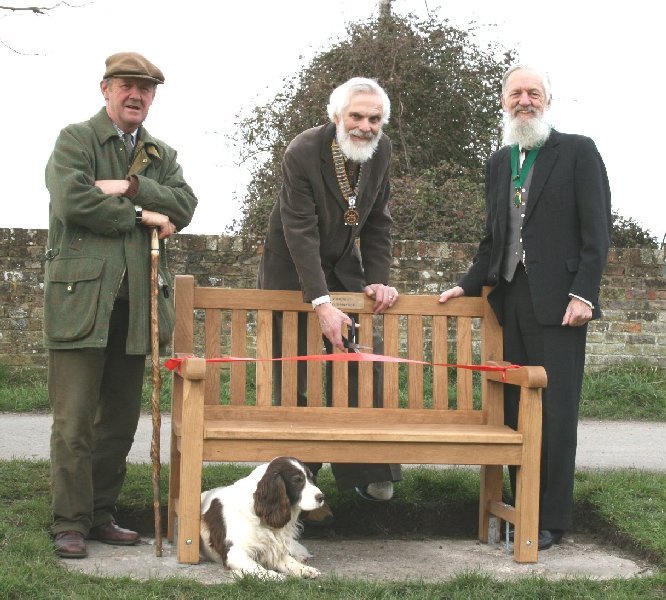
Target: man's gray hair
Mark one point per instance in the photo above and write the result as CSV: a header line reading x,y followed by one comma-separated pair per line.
x,y
545,79
341,97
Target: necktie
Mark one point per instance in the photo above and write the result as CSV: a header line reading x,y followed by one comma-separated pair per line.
x,y
523,155
353,169
129,145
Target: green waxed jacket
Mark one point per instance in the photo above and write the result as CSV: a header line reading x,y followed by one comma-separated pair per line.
x,y
93,238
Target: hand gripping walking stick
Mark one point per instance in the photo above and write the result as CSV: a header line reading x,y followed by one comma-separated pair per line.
x,y
157,384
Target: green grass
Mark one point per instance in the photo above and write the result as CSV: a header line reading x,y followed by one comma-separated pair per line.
x,y
24,390
626,502
630,505
632,391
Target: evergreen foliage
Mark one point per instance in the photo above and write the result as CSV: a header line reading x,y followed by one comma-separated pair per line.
x,y
627,233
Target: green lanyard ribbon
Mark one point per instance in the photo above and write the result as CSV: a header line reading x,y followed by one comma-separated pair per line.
x,y
519,176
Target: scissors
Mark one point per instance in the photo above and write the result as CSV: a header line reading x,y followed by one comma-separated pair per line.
x,y
350,341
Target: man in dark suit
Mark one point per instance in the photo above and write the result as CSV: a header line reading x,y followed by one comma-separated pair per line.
x,y
548,227
330,231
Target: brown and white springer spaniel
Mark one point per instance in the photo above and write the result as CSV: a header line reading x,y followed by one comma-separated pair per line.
x,y
252,527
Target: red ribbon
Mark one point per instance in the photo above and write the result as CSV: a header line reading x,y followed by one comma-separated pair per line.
x,y
174,363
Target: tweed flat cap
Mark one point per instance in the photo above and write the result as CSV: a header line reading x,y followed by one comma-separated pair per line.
x,y
132,64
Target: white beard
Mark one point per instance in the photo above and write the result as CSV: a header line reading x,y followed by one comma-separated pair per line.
x,y
358,152
527,133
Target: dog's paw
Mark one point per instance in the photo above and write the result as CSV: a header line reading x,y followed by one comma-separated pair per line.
x,y
309,572
299,551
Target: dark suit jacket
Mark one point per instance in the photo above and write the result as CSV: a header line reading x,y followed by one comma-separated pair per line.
x,y
566,230
308,246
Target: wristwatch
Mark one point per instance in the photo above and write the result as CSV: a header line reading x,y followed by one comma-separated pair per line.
x,y
139,213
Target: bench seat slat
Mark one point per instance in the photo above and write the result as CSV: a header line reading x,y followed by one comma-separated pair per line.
x,y
372,452
375,431
341,416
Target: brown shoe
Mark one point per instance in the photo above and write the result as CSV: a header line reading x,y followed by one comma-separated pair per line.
x,y
319,517
110,533
70,544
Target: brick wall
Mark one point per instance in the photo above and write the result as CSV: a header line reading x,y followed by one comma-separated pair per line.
x,y
633,289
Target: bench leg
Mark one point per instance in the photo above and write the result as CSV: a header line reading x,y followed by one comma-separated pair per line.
x,y
491,491
528,478
174,486
189,516
191,456
526,534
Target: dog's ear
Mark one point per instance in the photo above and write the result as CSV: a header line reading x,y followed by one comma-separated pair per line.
x,y
271,503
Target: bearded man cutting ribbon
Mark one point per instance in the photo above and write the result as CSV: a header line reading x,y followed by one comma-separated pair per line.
x,y
329,231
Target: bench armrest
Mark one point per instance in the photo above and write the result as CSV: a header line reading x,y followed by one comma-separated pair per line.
x,y
193,368
529,377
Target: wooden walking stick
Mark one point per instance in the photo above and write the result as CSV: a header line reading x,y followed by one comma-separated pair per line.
x,y
157,385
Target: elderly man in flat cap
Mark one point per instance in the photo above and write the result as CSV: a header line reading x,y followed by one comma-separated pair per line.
x,y
109,182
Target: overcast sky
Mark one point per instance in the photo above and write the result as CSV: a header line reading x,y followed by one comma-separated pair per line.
x,y
220,58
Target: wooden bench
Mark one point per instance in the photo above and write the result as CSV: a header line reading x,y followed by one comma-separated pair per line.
x,y
421,428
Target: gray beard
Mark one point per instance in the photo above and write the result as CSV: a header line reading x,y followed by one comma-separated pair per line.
x,y
527,134
356,152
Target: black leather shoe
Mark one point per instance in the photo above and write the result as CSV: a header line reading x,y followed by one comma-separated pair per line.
x,y
70,544
110,533
548,537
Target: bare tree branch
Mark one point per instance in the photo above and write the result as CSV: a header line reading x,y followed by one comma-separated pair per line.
x,y
38,10
35,10
14,50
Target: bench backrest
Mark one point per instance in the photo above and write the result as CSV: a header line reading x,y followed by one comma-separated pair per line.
x,y
214,322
